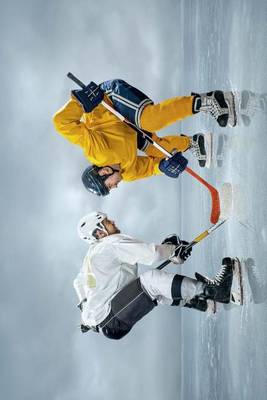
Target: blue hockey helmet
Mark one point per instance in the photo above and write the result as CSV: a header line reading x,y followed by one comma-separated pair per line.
x,y
95,183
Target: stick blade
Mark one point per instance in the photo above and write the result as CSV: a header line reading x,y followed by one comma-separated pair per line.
x,y
216,208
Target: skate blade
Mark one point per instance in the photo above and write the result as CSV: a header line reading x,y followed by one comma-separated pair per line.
x,y
232,101
237,291
212,307
208,142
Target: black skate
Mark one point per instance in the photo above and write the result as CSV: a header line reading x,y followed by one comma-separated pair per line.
x,y
201,304
201,148
219,288
220,105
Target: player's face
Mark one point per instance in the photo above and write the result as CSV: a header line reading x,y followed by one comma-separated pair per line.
x,y
113,180
110,226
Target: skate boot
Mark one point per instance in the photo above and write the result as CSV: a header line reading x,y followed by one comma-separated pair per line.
x,y
200,147
200,304
219,288
220,105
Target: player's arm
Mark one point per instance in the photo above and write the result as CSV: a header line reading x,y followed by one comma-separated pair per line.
x,y
78,285
143,168
147,166
134,251
67,122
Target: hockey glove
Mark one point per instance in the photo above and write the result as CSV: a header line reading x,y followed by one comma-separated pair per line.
x,y
89,97
171,239
197,303
174,165
180,255
84,328
80,305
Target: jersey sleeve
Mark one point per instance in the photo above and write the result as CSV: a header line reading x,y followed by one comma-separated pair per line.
x,y
133,251
68,122
144,167
78,285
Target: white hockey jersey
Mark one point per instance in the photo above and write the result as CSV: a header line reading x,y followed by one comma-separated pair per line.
x,y
110,264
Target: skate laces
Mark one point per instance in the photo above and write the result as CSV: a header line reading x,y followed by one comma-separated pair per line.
x,y
211,106
195,149
219,277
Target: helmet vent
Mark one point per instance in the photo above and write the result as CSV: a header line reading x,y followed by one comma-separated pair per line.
x,y
83,224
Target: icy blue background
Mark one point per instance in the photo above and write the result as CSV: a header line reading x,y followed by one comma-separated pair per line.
x,y
164,48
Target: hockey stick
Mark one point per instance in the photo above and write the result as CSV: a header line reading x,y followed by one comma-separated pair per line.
x,y
198,239
215,199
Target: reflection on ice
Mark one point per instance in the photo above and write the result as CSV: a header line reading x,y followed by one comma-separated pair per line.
x,y
256,280
251,103
221,148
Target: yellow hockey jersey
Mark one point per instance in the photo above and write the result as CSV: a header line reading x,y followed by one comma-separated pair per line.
x,y
105,139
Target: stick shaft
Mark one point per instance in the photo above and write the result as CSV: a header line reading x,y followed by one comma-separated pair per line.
x,y
198,239
76,80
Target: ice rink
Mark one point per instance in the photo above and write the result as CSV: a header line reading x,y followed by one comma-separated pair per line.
x,y
227,356
165,48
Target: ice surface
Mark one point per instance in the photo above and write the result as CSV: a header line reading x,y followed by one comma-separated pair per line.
x,y
165,48
226,200
225,356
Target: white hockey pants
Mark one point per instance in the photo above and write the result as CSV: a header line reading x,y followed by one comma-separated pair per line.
x,y
168,288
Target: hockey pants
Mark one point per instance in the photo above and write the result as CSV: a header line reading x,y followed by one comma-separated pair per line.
x,y
139,297
139,109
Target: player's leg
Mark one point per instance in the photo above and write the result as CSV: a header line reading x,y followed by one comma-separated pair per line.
x,y
218,288
200,145
177,142
173,288
155,117
170,289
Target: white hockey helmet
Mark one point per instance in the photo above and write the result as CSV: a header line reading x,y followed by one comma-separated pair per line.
x,y
89,223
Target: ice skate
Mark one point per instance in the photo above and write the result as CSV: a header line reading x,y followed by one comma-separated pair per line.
x,y
201,304
220,105
237,291
219,288
201,148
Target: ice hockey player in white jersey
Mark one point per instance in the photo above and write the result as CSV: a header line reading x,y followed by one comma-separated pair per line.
x,y
112,297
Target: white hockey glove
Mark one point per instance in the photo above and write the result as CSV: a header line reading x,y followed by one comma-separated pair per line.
x,y
180,255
